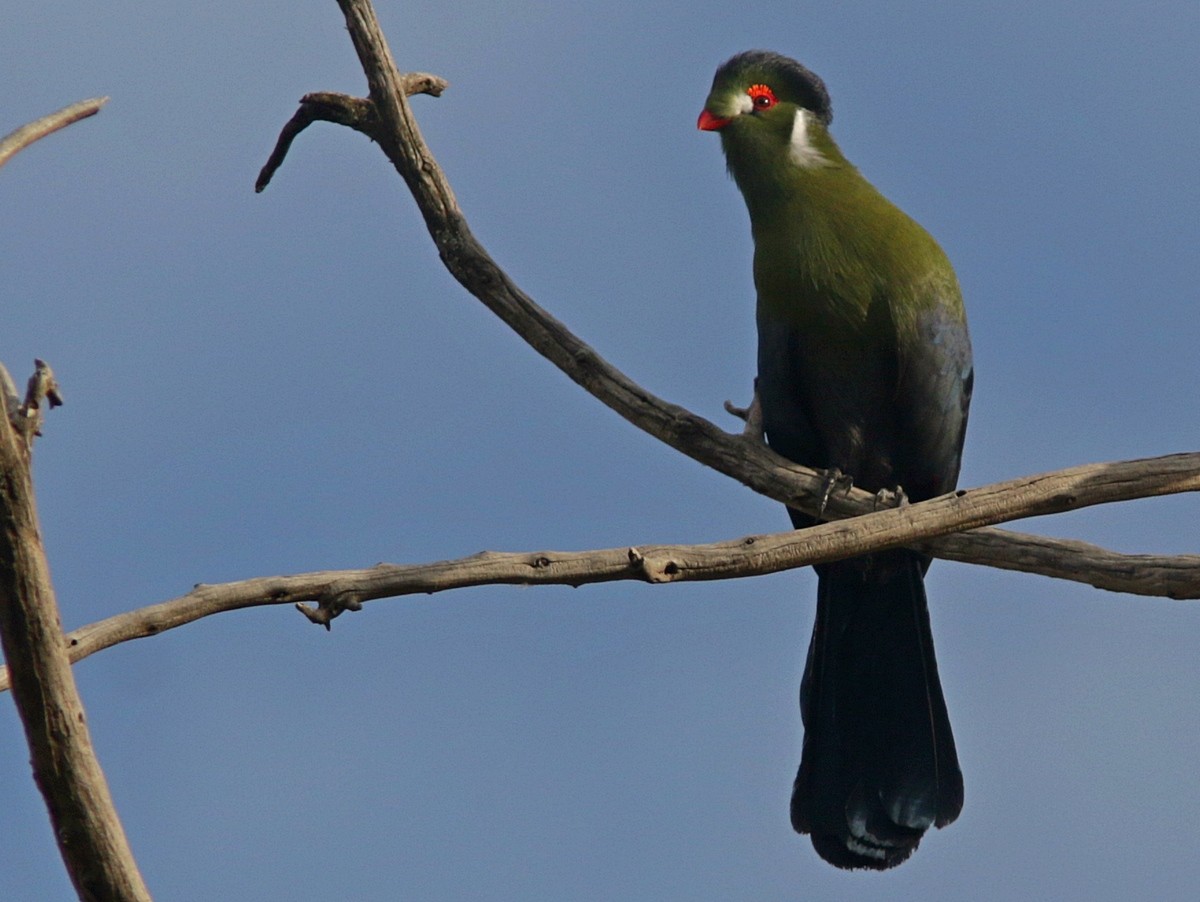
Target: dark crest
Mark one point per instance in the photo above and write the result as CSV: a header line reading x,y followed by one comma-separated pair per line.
x,y
797,82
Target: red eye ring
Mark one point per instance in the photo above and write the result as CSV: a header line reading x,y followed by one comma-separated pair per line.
x,y
762,97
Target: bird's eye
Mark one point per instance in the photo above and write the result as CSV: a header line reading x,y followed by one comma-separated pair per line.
x,y
762,97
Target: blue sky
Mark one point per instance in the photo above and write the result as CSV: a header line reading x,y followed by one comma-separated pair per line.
x,y
288,382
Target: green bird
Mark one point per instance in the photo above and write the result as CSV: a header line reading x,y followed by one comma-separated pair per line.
x,y
864,367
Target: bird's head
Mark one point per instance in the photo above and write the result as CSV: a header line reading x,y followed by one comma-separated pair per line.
x,y
769,111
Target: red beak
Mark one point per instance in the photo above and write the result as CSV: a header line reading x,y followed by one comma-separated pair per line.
x,y
710,123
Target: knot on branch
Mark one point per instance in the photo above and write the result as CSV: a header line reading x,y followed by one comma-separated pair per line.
x,y
655,568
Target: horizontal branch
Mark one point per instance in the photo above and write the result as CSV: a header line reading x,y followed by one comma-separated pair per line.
x,y
341,590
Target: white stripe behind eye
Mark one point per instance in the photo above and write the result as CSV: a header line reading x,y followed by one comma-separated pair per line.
x,y
804,154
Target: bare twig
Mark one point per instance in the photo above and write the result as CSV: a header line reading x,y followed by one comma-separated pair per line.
x,y
17,141
89,833
324,106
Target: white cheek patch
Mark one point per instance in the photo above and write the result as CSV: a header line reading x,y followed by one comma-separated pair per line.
x,y
744,104
804,154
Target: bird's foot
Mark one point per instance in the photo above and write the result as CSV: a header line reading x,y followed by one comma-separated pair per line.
x,y
751,416
833,479
893,497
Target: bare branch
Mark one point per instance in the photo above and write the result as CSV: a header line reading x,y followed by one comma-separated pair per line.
x,y
1164,576
17,141
743,457
86,826
341,590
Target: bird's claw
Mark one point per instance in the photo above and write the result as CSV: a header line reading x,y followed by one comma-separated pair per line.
x,y
833,479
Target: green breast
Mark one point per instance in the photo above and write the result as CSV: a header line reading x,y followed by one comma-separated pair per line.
x,y
829,246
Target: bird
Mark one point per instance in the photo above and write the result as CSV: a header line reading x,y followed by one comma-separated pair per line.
x,y
865,372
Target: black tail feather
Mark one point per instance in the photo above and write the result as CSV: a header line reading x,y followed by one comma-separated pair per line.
x,y
879,765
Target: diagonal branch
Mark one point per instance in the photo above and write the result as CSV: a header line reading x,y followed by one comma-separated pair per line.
x,y
90,837
16,141
741,457
89,833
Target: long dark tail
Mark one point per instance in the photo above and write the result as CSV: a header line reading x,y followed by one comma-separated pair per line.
x,y
879,765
